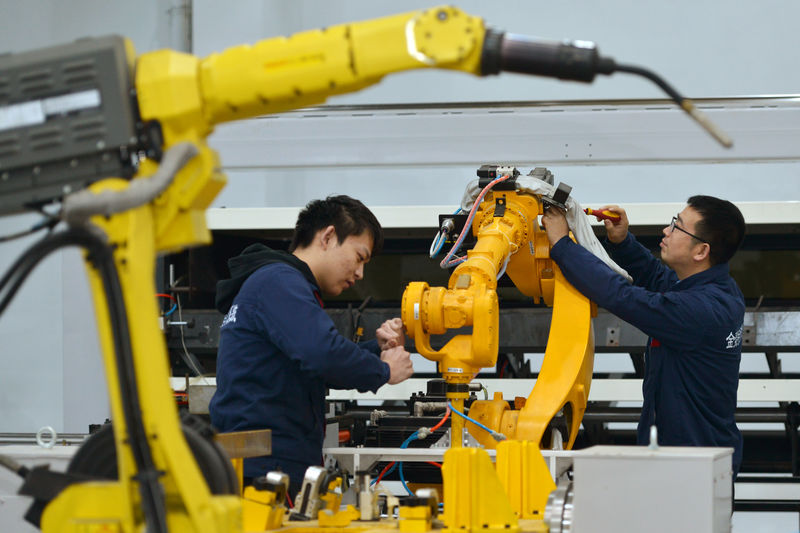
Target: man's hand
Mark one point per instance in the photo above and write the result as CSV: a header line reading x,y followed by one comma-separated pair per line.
x,y
616,230
555,223
400,366
390,334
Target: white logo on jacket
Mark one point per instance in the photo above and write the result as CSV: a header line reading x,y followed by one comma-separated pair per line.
x,y
231,316
734,339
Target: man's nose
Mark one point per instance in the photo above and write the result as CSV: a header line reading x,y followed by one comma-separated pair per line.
x,y
666,231
360,272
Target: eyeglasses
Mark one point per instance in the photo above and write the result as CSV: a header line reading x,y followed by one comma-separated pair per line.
x,y
673,226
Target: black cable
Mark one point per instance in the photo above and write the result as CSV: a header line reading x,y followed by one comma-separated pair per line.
x,y
49,223
101,257
685,103
153,505
655,78
357,319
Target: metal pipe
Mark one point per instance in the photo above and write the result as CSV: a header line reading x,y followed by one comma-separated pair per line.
x,y
420,408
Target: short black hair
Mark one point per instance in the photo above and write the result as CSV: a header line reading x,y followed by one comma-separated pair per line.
x,y
721,224
347,215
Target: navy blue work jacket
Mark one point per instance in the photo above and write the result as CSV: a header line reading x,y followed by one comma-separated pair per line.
x,y
278,352
695,346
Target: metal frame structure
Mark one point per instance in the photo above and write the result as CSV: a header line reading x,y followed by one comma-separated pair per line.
x,y
765,128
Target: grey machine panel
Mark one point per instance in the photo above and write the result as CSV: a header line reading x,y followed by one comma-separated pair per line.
x,y
67,119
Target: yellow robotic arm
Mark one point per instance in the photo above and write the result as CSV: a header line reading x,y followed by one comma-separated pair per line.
x,y
508,234
187,96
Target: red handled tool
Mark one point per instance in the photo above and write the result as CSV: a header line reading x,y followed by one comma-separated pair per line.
x,y
601,215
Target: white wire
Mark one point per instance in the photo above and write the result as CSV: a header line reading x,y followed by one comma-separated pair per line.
x,y
439,240
188,359
446,262
436,245
505,264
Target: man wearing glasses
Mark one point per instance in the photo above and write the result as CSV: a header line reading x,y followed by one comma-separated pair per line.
x,y
690,307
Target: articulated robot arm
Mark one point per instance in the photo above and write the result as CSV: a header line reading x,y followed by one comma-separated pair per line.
x,y
508,235
74,117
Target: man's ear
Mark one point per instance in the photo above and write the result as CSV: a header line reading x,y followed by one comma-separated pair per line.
x,y
702,254
327,237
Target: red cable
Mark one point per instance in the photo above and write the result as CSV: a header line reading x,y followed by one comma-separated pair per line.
x,y
385,469
434,463
434,428
442,421
447,261
289,499
166,296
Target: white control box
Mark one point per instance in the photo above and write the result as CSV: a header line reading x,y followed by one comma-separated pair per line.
x,y
636,489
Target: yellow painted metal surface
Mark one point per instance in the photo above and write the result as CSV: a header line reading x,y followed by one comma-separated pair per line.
x,y
90,507
470,298
337,518
260,511
474,499
490,413
191,504
565,377
304,69
415,519
527,493
566,373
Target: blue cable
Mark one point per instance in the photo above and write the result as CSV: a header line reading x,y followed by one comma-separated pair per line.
x,y
413,436
462,415
440,237
405,444
403,481
446,262
174,307
437,244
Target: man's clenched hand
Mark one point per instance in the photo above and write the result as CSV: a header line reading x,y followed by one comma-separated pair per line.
x,y
390,334
400,366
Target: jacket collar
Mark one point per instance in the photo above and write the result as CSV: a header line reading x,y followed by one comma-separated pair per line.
x,y
715,273
251,259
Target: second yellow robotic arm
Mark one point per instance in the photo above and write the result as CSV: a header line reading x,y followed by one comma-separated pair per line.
x,y
508,236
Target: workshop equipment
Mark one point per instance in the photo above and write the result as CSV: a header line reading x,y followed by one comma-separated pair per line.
x,y
122,141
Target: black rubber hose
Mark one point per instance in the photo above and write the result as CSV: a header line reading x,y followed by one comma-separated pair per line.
x,y
101,257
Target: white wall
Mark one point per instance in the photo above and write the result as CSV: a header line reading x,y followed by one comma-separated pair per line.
x,y
704,48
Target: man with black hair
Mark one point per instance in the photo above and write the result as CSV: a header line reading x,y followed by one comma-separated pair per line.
x,y
691,309
279,350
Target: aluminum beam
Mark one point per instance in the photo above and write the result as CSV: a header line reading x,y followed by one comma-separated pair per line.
x,y
356,459
427,216
578,132
527,329
602,390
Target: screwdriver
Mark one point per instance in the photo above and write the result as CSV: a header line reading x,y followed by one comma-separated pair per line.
x,y
601,215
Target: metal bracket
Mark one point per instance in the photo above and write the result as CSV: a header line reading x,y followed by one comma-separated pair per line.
x,y
749,335
612,336
500,206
